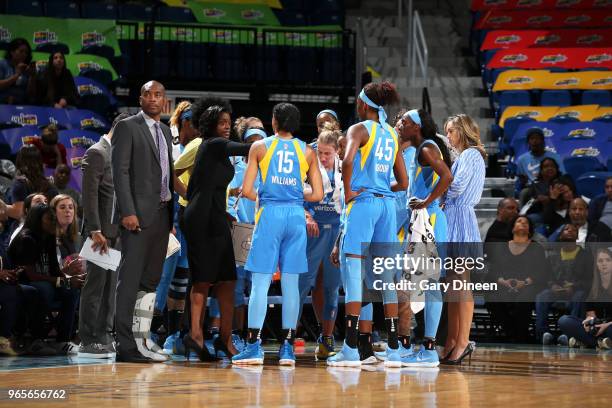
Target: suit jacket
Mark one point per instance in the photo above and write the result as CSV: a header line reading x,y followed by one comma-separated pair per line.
x,y
137,172
98,190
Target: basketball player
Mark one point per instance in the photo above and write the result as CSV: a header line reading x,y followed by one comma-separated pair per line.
x,y
279,238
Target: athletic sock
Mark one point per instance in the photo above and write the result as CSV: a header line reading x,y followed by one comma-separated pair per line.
x,y
352,330
405,341
253,335
391,324
365,345
289,335
429,343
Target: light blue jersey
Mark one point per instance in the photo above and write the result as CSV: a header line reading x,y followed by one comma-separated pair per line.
x,y
282,171
373,163
245,210
325,212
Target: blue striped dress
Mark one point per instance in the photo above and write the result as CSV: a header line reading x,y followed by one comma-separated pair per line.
x,y
462,196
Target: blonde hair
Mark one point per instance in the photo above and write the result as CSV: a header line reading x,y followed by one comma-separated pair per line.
x,y
72,231
242,124
469,132
330,134
175,119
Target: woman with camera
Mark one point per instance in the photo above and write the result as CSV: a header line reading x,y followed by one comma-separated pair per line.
x,y
596,328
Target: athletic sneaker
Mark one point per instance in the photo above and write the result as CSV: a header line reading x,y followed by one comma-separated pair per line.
x,y
66,348
325,348
94,350
393,358
346,357
562,340
605,343
285,354
547,339
422,358
238,342
366,353
170,343
575,343
404,352
253,353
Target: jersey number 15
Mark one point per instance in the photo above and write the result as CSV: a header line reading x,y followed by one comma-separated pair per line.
x,y
285,161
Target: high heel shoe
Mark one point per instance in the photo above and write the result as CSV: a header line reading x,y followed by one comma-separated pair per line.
x,y
445,358
203,353
219,345
469,349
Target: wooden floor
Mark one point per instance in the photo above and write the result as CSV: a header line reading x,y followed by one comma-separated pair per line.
x,y
499,376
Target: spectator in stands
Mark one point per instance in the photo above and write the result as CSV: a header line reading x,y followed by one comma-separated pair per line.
x,y
571,268
9,304
55,85
68,239
500,231
521,270
16,72
538,190
600,208
30,201
53,153
61,178
528,164
555,213
587,232
596,329
34,249
30,179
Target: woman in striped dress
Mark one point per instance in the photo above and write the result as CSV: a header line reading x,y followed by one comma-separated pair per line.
x,y
461,197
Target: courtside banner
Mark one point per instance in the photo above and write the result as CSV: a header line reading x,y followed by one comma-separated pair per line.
x,y
544,58
483,5
575,38
507,20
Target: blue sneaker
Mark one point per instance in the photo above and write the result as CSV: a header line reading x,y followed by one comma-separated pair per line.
x,y
252,354
285,354
346,357
422,358
393,358
170,343
405,352
238,342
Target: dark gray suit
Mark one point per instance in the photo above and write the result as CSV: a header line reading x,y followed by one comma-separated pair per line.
x,y
137,176
97,310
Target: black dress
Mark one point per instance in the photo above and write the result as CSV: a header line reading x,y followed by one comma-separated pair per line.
x,y
205,224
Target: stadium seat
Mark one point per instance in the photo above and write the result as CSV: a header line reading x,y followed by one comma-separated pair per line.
x,y
105,11
512,124
104,51
96,103
592,184
6,115
87,120
25,8
77,138
87,86
17,137
555,98
576,166
596,97
62,9
176,14
27,115
513,98
53,48
605,118
59,117
135,12
103,76
563,119
486,56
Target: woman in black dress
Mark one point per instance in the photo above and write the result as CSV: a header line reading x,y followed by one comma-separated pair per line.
x,y
206,226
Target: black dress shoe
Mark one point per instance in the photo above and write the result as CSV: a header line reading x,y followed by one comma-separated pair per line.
x,y
132,357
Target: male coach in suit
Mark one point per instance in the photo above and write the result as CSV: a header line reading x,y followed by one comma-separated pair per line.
x,y
97,310
142,173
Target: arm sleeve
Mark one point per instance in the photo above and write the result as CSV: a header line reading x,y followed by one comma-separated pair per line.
x,y
236,149
93,171
121,158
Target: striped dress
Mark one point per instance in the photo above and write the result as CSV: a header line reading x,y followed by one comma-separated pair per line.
x,y
463,195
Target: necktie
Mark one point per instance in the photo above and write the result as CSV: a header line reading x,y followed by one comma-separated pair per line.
x,y
162,148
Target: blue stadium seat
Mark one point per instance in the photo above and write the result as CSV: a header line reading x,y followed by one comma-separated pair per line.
x,y
176,14
592,184
596,97
605,118
576,166
27,115
87,86
135,12
103,76
62,9
104,11
88,120
24,8
6,115
486,56
513,98
512,124
16,137
555,98
563,119
77,138
59,117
